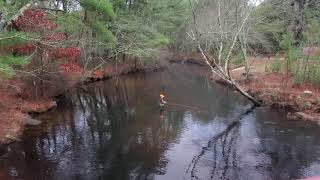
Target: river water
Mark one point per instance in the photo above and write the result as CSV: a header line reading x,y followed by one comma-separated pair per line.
x,y
114,130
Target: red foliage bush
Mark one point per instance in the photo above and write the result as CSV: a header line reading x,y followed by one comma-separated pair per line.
x,y
70,67
37,20
34,20
24,49
55,37
68,52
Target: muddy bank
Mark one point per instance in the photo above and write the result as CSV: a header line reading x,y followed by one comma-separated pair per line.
x,y
15,109
301,102
279,91
14,113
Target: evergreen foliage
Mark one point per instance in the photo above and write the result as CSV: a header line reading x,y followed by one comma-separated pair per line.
x,y
103,7
7,63
9,8
70,23
14,38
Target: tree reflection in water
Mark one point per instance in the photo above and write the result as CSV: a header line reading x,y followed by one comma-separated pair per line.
x,y
110,117
226,142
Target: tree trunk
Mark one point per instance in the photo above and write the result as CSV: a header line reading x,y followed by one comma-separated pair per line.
x,y
299,20
2,21
245,94
243,44
65,5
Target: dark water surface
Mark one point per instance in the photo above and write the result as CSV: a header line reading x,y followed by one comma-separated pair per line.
x,y
113,130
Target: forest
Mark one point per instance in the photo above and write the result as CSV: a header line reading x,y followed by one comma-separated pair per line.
x,y
42,36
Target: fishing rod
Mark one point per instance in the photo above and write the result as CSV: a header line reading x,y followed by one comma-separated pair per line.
x,y
176,104
192,108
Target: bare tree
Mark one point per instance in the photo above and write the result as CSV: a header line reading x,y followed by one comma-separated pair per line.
x,y
224,34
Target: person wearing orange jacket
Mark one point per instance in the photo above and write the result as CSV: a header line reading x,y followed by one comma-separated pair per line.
x,y
162,101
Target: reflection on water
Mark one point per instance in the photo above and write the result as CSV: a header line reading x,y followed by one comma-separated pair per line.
x,y
114,130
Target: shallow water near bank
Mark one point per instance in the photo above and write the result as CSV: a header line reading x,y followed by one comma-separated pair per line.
x,y
114,130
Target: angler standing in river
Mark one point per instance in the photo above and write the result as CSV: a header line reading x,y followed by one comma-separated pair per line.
x,y
162,101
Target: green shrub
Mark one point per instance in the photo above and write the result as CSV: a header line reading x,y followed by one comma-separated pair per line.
x,y
307,70
103,7
7,62
238,60
314,74
276,66
298,77
266,69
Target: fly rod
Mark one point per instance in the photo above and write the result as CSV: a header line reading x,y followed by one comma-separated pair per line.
x,y
182,105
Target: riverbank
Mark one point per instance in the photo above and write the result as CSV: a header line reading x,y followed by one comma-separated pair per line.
x,y
15,108
277,90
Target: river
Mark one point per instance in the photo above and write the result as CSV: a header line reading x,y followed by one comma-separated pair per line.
x,y
114,130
